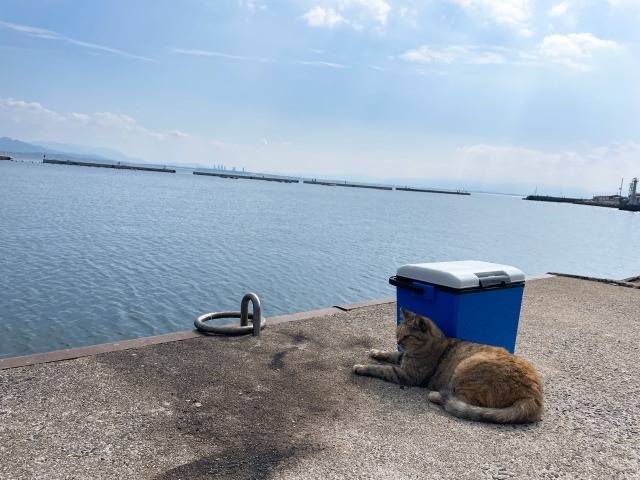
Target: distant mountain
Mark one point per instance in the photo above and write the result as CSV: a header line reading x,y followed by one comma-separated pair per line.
x,y
84,150
16,146
65,150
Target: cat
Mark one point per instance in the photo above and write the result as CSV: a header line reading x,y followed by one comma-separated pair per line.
x,y
470,380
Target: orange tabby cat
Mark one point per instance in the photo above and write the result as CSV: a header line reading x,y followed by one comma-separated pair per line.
x,y
470,380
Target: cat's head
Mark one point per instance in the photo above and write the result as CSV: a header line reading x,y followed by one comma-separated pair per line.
x,y
416,332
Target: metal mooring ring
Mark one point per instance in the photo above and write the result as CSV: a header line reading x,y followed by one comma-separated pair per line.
x,y
243,315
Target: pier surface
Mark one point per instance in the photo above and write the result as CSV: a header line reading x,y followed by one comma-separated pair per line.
x,y
285,405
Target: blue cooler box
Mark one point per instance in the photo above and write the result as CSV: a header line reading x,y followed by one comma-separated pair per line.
x,y
469,300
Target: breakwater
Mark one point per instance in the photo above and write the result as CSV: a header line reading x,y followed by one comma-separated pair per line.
x,y
326,183
428,190
117,166
345,184
236,176
629,208
576,201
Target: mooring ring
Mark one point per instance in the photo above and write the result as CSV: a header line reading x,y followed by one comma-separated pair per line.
x,y
226,329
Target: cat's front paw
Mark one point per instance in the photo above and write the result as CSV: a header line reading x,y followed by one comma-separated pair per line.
x,y
358,369
375,353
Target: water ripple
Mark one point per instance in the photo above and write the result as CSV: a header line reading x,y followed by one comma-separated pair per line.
x,y
90,255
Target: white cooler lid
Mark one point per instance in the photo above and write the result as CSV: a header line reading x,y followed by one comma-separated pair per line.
x,y
461,274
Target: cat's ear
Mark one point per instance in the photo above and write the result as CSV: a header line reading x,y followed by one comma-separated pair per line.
x,y
406,314
422,325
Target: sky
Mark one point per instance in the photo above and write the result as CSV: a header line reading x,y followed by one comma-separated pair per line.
x,y
503,94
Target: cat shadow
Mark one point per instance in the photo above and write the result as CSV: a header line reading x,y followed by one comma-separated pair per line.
x,y
413,402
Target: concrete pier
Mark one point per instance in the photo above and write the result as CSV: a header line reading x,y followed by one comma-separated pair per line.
x,y
427,190
285,405
577,201
346,184
117,166
236,176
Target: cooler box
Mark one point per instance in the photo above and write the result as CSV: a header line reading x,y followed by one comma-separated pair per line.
x,y
469,300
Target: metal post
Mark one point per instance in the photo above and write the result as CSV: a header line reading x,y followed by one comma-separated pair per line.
x,y
257,315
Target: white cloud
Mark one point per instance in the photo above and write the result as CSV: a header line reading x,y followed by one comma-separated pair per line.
x,y
28,120
252,5
355,13
274,144
25,115
80,117
574,49
379,10
317,63
181,134
31,31
514,14
599,169
51,35
453,54
324,17
208,53
567,12
559,9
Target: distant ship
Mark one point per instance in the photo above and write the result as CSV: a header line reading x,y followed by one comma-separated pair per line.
x,y
5,157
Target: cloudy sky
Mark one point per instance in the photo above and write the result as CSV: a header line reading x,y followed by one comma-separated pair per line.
x,y
456,92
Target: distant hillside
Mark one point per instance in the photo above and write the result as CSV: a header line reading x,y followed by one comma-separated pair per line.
x,y
64,151
93,152
10,145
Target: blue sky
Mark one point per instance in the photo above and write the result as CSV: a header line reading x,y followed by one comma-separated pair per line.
x,y
455,92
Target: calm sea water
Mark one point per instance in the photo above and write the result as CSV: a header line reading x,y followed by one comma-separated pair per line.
x,y
90,255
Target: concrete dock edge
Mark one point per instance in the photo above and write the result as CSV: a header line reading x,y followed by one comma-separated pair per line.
x,y
71,353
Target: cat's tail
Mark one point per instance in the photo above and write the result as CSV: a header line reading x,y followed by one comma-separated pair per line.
x,y
524,410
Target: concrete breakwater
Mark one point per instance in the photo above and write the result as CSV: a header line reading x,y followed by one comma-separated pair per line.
x,y
428,190
576,201
345,184
326,183
629,208
118,166
235,176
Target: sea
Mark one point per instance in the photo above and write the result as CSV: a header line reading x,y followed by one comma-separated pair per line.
x,y
94,255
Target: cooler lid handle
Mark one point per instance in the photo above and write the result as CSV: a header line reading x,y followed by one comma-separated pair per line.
x,y
489,281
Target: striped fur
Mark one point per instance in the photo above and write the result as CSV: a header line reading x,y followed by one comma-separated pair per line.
x,y
470,380
523,410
